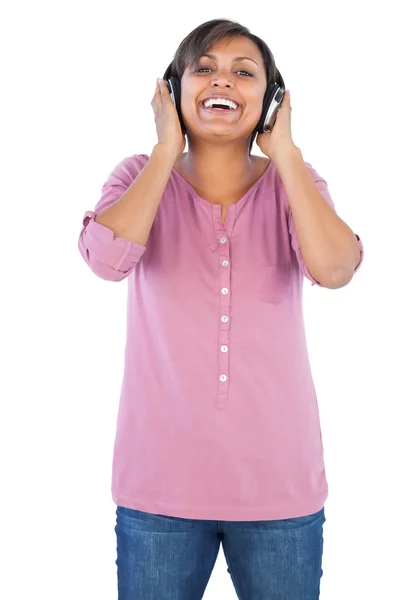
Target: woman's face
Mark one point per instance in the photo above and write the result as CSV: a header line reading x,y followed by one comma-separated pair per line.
x,y
243,80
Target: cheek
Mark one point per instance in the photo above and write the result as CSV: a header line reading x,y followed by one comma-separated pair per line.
x,y
251,114
189,102
190,90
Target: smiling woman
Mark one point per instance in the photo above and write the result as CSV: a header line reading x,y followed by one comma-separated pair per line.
x,y
218,434
194,56
222,100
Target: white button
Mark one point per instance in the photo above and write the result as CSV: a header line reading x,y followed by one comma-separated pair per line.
x,y
224,348
224,319
224,290
223,240
225,263
223,377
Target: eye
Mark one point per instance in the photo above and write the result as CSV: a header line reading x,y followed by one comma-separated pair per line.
x,y
207,68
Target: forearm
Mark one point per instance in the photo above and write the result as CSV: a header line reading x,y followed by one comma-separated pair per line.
x,y
132,215
328,246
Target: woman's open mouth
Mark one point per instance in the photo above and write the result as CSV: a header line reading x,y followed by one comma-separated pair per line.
x,y
219,109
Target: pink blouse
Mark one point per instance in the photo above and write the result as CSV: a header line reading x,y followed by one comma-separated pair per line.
x,y
218,415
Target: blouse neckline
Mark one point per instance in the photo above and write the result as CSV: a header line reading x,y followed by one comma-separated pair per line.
x,y
239,202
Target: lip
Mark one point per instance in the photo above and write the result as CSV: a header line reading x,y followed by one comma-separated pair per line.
x,y
220,111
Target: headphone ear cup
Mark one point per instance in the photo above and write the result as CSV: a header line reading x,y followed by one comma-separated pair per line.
x,y
259,128
268,96
174,87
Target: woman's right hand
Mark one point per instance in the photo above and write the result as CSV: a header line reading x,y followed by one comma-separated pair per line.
x,y
168,126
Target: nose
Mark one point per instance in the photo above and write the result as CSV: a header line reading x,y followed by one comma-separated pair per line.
x,y
222,81
228,85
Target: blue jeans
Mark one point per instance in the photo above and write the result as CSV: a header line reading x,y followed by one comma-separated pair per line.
x,y
171,558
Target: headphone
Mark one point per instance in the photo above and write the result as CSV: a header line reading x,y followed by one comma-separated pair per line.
x,y
272,101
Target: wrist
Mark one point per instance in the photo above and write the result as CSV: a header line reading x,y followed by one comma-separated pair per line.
x,y
284,153
168,152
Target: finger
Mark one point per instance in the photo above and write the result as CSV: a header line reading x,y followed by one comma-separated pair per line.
x,y
158,87
166,95
156,91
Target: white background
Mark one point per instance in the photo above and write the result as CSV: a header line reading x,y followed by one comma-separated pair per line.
x,y
78,79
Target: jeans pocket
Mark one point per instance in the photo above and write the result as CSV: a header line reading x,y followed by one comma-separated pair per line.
x,y
307,519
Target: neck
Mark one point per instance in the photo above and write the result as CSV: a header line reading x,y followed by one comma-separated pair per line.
x,y
218,163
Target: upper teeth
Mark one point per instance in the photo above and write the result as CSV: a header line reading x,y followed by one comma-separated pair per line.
x,y
212,101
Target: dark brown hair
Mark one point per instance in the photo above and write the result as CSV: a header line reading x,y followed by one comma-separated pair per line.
x,y
204,36
198,41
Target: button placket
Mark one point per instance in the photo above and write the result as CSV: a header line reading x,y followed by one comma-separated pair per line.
x,y
224,325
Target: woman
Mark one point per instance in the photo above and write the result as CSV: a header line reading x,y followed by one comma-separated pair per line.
x,y
218,435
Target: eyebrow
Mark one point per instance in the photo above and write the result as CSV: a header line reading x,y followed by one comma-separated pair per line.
x,y
236,59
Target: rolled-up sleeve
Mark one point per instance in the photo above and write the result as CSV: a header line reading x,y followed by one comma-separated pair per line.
x,y
323,188
109,257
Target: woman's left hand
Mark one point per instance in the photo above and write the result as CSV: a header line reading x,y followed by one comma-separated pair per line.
x,y
279,140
